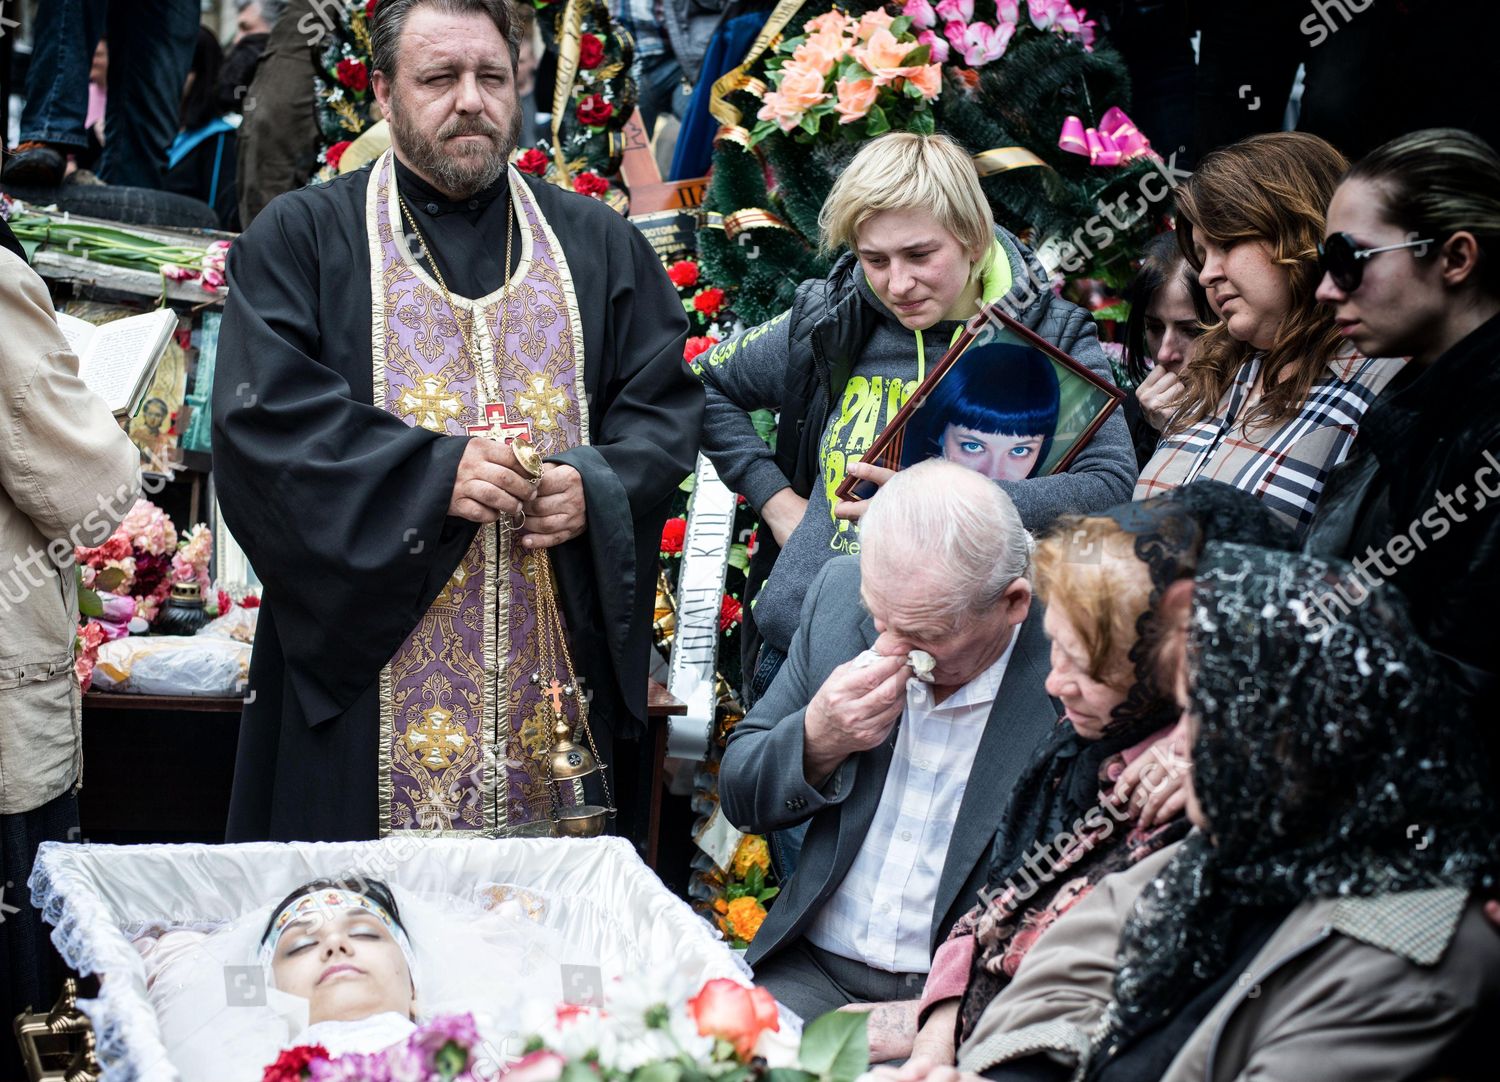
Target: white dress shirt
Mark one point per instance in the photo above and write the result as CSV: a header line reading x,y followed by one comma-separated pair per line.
x,y
881,914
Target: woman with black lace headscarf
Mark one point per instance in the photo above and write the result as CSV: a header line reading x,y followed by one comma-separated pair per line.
x,y
1325,916
1102,578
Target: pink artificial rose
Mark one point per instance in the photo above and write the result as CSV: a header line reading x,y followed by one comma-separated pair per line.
x,y
821,52
881,56
855,99
873,21
955,11
801,88
833,22
929,80
937,48
981,42
541,1066
920,13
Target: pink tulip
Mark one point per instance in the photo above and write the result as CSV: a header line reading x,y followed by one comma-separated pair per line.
x,y
212,280
175,273
936,46
982,43
920,13
1008,11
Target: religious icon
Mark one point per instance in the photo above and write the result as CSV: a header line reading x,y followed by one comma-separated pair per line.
x,y
1002,401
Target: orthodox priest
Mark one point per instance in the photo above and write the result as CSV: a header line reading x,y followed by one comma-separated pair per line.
x,y
430,372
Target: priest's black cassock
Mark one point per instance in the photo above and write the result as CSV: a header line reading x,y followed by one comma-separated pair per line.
x,y
342,507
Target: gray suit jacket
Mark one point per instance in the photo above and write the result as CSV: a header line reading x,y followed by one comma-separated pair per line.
x,y
762,786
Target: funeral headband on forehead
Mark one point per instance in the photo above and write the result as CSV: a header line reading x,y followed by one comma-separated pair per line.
x,y
318,902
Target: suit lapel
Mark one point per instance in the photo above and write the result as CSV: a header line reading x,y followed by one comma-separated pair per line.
x,y
1023,713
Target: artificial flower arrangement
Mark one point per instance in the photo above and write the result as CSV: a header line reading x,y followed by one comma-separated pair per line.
x,y
865,76
123,582
741,909
447,1048
704,304
977,42
344,100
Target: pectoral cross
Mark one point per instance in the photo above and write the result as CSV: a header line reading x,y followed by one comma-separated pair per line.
x,y
498,427
555,693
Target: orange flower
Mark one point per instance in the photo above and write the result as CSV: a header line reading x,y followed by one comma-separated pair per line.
x,y
746,915
732,1012
855,99
929,80
882,56
872,22
752,852
832,22
821,52
801,88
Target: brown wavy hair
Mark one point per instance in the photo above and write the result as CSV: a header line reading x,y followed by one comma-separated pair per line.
x,y
1273,188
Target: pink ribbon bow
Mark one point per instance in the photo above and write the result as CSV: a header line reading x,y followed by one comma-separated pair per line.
x,y
1114,142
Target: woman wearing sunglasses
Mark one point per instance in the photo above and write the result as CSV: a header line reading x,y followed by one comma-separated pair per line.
x,y
1410,269
1274,394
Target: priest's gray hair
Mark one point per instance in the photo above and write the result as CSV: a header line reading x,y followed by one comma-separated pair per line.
x,y
390,20
941,516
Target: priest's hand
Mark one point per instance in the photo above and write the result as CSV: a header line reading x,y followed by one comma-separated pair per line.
x,y
489,483
557,512
854,510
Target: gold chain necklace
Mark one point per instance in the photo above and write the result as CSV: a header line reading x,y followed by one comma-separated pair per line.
x,y
488,380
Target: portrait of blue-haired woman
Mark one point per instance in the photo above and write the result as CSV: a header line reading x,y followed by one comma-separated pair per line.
x,y
995,411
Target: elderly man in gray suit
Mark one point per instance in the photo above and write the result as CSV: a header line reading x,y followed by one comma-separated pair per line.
x,y
902,782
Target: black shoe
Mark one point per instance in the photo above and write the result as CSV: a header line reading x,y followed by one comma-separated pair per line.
x,y
34,165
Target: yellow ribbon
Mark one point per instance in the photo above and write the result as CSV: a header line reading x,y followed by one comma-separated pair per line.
x,y
751,218
723,112
1004,159
569,41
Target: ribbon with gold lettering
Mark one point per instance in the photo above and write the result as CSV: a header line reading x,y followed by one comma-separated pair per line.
x,y
569,41
736,79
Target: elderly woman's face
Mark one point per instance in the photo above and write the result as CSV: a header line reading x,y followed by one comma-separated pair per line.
x,y
1245,287
917,268
345,964
1176,614
1088,702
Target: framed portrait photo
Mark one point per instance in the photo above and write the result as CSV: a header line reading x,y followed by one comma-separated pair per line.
x,y
1002,401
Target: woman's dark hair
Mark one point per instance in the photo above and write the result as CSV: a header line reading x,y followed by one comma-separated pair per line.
x,y
1161,261
200,99
1272,188
998,387
1438,182
373,889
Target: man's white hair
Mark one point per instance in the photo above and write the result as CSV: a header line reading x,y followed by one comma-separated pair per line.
x,y
941,517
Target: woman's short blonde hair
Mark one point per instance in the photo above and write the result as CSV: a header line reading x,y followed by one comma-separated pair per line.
x,y
906,171
1087,569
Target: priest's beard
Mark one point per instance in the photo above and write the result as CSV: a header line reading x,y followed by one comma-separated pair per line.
x,y
462,170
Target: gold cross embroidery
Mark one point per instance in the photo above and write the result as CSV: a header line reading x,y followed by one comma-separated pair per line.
x,y
431,403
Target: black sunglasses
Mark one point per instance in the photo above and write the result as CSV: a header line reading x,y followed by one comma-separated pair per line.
x,y
1344,262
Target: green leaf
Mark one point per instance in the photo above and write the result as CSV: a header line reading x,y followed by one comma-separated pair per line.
x,y
109,579
911,89
766,895
688,482
755,880
1117,312
88,600
900,25
765,425
836,1047
661,1071
922,54
449,1061
739,557
763,129
810,123
876,122
787,1074
734,891
921,122
578,1070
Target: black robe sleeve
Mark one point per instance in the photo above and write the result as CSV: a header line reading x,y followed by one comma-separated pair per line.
x,y
645,416
340,506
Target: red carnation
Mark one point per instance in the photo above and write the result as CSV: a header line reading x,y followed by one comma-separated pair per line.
x,y
709,301
353,74
594,111
290,1065
250,602
590,52
730,612
334,153
671,536
533,161
684,274
590,184
225,603
370,9
700,344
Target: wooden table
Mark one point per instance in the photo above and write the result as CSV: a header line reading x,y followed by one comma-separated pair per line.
x,y
160,767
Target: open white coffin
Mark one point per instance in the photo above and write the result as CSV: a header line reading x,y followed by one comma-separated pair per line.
x,y
108,903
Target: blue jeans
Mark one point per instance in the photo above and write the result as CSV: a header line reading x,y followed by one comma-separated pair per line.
x,y
661,90
150,52
786,845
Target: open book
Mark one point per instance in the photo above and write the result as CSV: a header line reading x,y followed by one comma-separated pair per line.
x,y
118,359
